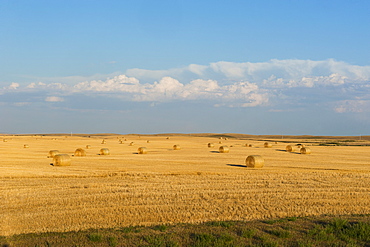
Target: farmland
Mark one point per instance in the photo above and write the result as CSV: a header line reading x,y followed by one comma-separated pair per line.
x,y
165,186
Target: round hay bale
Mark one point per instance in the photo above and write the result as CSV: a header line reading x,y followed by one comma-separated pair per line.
x,y
147,141
176,147
104,151
80,152
62,160
250,145
290,148
167,138
52,153
276,142
103,142
255,161
142,150
88,146
131,143
5,140
120,142
224,149
211,145
267,145
305,150
220,142
26,146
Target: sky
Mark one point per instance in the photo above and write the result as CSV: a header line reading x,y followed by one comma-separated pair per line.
x,y
287,67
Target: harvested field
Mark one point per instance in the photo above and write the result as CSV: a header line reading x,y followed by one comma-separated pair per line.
x,y
194,184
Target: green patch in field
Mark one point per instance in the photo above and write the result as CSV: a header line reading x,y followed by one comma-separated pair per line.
x,y
280,233
95,237
202,239
225,224
161,228
112,241
246,233
271,222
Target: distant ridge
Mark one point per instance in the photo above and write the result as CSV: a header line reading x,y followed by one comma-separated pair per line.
x,y
214,135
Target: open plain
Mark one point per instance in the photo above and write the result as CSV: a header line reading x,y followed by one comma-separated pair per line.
x,y
192,184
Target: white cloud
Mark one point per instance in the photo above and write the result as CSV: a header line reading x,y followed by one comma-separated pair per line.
x,y
118,83
277,82
353,106
13,86
54,99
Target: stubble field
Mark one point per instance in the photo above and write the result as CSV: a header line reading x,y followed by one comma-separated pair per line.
x,y
190,185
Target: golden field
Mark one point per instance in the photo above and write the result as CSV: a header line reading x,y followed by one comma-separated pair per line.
x,y
164,186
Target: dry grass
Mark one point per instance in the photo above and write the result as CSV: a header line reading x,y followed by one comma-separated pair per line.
x,y
195,185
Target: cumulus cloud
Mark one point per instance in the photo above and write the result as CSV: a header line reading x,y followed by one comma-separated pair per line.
x,y
168,89
353,106
276,82
54,99
13,86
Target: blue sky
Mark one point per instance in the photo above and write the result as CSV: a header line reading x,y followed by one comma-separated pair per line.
x,y
254,67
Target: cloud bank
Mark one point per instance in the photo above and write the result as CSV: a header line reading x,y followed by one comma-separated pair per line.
x,y
277,84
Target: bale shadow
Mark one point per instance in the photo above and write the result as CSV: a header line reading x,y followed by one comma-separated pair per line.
x,y
281,150
236,165
51,164
215,152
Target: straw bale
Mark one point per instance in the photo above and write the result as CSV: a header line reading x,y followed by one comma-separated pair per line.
x,y
104,151
26,146
62,160
224,149
255,161
52,153
305,150
80,152
5,140
290,148
142,150
176,147
250,145
147,141
88,146
131,143
267,145
211,145
103,142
